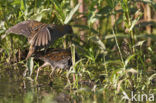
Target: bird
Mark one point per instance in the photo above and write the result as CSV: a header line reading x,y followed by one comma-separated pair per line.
x,y
40,35
55,58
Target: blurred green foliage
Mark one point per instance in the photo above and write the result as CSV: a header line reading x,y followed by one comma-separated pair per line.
x,y
114,57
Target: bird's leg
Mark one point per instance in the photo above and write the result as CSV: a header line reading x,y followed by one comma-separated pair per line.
x,y
45,50
19,55
44,65
52,70
31,51
59,71
25,72
38,72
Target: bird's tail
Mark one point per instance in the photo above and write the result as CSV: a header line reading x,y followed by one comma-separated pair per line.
x,y
4,35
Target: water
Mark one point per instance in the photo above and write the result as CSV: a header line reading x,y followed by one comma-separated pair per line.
x,y
16,89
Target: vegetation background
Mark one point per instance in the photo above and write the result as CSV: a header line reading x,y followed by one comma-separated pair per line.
x,y
115,41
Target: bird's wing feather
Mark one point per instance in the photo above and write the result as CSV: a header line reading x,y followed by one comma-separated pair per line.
x,y
44,40
21,28
45,36
25,28
41,38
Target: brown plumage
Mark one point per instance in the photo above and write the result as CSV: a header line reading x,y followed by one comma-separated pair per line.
x,y
39,34
56,58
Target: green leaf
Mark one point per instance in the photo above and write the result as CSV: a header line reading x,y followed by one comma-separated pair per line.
x,y
72,12
152,76
117,62
86,28
2,31
97,40
128,59
131,70
135,20
38,16
30,65
110,3
140,43
23,5
73,54
59,10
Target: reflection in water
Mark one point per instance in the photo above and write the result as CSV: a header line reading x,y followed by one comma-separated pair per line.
x,y
13,87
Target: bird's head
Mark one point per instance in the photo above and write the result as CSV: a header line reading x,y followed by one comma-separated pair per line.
x,y
68,29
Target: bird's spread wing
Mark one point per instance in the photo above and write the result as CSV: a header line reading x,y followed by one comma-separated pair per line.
x,y
21,28
24,28
42,37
